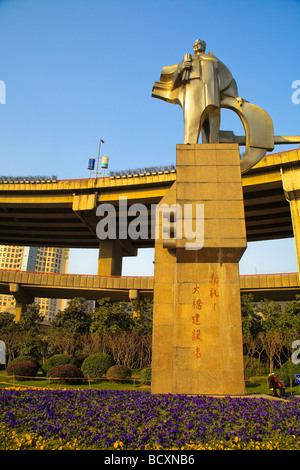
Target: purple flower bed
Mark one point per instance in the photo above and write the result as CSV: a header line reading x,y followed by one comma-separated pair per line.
x,y
100,418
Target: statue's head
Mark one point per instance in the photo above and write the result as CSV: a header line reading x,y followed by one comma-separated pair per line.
x,y
199,46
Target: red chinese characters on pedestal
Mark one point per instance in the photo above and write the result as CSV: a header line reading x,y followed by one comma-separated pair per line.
x,y
214,293
197,307
197,304
196,332
197,353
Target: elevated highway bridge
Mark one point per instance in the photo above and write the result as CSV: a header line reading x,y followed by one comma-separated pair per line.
x,y
63,213
28,285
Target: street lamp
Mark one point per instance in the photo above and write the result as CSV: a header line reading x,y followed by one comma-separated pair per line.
x,y
98,157
104,163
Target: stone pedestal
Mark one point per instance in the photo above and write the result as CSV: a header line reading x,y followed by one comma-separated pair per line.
x,y
197,333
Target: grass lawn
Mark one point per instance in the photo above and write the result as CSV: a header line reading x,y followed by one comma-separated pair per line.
x,y
42,382
254,385
259,385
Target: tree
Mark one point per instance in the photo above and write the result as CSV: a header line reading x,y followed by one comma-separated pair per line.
x,y
289,325
253,350
251,320
74,318
111,317
29,325
143,316
281,327
294,307
69,325
271,312
91,344
31,319
7,323
9,333
290,319
64,341
44,346
271,342
289,370
129,349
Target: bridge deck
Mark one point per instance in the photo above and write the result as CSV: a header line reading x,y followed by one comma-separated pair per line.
x,y
283,286
63,213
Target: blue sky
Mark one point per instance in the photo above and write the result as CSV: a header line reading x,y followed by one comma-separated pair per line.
x,y
79,70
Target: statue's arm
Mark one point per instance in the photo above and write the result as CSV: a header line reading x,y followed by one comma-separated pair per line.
x,y
181,74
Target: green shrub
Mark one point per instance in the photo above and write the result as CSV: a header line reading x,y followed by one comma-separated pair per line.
x,y
66,374
118,373
287,373
283,378
145,376
22,370
95,365
58,360
25,358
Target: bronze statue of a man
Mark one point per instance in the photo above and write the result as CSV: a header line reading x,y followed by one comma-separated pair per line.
x,y
201,84
196,83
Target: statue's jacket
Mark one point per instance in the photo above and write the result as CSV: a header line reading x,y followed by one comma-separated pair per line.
x,y
210,74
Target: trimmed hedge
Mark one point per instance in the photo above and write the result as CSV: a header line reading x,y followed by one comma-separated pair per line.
x,y
22,370
95,365
66,374
23,359
118,372
58,360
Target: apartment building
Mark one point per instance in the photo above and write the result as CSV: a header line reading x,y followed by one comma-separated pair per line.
x,y
40,259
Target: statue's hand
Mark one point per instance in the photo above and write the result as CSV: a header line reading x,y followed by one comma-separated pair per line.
x,y
185,75
187,64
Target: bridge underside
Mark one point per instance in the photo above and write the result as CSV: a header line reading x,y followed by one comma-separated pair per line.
x,y
267,215
63,213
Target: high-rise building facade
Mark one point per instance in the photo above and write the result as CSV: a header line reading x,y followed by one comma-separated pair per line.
x,y
42,259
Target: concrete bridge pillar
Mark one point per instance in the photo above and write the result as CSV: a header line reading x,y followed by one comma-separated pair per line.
x,y
291,186
22,299
110,258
